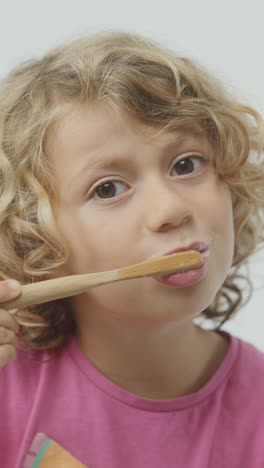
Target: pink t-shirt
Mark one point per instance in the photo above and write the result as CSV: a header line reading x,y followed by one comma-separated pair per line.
x,y
67,405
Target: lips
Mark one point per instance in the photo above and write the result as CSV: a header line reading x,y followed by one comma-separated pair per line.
x,y
191,277
199,246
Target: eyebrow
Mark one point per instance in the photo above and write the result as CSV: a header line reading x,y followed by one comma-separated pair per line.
x,y
116,161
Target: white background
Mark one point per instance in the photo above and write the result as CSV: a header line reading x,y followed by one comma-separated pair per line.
x,y
226,36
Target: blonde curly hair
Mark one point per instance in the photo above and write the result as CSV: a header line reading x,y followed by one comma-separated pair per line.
x,y
132,73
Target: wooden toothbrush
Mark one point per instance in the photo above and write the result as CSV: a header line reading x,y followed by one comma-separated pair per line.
x,y
58,288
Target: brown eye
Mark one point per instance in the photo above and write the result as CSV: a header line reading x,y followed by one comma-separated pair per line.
x,y
188,165
108,190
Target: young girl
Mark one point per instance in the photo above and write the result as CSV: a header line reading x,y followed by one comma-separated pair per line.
x,y
115,151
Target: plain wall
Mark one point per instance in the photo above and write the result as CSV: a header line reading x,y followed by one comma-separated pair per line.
x,y
225,36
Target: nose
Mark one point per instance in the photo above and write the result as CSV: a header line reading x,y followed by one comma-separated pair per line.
x,y
166,207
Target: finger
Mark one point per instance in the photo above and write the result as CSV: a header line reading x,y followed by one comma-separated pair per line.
x,y
7,353
7,337
9,289
8,321
12,311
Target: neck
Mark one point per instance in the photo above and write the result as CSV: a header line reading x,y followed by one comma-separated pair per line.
x,y
169,361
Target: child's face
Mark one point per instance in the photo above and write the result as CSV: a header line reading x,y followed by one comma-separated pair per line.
x,y
124,197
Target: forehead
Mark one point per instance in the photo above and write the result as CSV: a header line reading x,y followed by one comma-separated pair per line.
x,y
92,126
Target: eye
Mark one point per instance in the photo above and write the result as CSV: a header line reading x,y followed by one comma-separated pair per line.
x,y
189,165
107,190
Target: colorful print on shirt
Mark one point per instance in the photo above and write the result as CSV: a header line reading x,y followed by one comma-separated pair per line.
x,y
46,453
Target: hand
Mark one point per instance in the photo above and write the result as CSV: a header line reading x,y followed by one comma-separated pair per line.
x,y
8,325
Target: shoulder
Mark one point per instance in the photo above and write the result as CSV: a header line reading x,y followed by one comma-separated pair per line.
x,y
30,367
250,361
246,380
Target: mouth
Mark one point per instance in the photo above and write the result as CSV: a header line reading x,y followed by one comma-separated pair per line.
x,y
201,247
191,277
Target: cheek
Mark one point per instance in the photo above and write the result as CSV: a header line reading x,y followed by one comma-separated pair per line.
x,y
218,214
217,207
77,238
224,211
94,243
